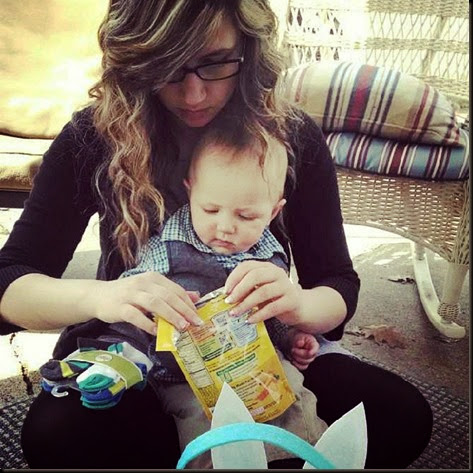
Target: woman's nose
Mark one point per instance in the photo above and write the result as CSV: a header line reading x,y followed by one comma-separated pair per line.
x,y
193,89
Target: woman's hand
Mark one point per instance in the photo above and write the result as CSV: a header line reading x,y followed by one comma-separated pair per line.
x,y
263,284
303,348
133,298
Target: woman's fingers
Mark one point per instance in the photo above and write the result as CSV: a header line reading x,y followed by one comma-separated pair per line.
x,y
276,308
166,304
163,282
133,298
248,277
194,296
258,297
243,279
135,316
163,290
235,277
266,286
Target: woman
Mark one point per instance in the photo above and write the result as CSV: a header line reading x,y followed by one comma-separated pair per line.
x,y
170,67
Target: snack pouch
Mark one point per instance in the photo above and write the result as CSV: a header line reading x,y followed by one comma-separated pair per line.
x,y
226,349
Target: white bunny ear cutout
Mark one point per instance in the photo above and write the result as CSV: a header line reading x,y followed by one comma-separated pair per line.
x,y
345,442
247,455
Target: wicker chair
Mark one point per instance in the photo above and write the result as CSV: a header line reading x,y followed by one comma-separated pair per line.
x,y
427,39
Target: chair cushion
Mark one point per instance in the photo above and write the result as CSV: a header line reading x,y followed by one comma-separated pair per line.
x,y
20,159
359,98
395,158
50,59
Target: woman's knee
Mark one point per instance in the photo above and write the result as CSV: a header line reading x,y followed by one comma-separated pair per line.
x,y
411,421
399,418
61,433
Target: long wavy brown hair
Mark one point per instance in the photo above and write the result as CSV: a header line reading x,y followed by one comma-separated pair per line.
x,y
144,42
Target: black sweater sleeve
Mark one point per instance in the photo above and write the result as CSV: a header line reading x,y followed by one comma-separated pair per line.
x,y
314,221
56,213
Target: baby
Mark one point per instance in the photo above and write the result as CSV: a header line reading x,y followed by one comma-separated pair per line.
x,y
233,197
235,187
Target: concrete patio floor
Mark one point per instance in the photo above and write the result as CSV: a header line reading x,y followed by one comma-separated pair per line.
x,y
388,296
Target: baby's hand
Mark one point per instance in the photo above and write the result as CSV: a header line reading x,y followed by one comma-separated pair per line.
x,y
303,348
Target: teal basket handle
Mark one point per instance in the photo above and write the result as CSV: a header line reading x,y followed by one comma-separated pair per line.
x,y
242,431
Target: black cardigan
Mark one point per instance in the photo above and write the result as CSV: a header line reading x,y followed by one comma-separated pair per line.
x,y
63,199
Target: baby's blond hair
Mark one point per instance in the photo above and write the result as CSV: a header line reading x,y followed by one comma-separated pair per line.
x,y
243,148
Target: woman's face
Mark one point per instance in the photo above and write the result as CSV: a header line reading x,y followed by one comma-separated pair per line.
x,y
196,102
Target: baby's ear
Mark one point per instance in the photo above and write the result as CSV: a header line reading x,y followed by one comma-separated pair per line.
x,y
187,184
277,208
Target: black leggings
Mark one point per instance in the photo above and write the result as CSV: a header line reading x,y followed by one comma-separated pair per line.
x,y
61,433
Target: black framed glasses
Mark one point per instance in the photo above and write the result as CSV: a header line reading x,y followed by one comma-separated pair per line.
x,y
212,71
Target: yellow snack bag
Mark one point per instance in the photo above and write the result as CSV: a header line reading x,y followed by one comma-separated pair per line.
x,y
227,349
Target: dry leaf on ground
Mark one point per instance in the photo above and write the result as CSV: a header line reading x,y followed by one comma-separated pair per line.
x,y
354,331
385,334
405,280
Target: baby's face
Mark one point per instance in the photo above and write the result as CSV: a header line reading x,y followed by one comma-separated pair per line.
x,y
230,204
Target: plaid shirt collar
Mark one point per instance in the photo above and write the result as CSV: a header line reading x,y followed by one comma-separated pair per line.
x,y
179,228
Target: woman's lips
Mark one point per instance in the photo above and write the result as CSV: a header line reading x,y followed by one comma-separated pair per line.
x,y
194,116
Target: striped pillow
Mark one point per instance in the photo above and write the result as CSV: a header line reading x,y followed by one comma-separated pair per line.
x,y
344,96
396,158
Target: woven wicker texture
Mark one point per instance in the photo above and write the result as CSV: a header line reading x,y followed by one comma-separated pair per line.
x,y
428,39
316,30
434,214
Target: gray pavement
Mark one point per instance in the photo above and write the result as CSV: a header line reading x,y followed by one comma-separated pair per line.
x,y
388,296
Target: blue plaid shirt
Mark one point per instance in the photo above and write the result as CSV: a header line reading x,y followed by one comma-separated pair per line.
x,y
153,257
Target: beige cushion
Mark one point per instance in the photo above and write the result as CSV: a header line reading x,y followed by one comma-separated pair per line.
x,y
19,161
17,171
50,59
